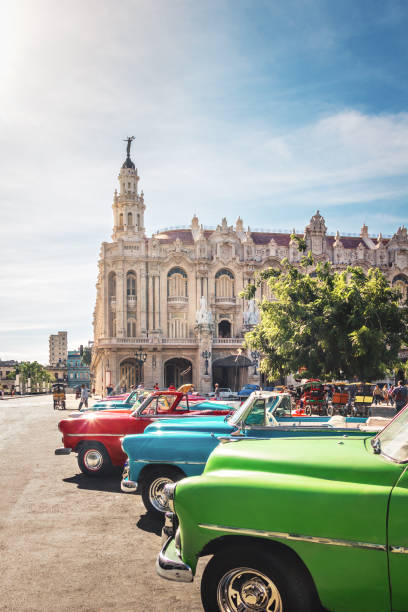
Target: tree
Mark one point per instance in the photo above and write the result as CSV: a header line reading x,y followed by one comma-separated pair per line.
x,y
86,356
329,324
31,369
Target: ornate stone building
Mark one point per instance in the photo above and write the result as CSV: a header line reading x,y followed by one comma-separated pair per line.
x,y
167,307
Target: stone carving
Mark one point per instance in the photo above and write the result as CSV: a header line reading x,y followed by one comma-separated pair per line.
x,y
129,142
251,314
203,316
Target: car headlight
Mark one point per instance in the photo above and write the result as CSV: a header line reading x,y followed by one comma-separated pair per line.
x,y
169,492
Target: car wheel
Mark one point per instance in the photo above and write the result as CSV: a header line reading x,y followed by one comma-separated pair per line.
x,y
247,579
153,486
330,410
308,410
93,459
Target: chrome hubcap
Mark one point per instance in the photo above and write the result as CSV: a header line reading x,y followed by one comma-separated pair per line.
x,y
93,460
156,493
243,589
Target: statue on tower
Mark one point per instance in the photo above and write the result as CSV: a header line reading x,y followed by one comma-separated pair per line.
x,y
129,142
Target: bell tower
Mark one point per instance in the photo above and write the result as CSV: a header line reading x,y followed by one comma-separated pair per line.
x,y
128,206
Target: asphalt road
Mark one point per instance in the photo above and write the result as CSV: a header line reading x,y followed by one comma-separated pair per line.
x,y
67,541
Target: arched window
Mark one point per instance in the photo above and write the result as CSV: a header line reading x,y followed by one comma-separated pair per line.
x,y
121,220
176,283
224,284
400,282
138,221
131,284
131,328
130,219
224,329
112,285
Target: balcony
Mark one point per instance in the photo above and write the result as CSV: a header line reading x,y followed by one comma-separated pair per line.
x,y
153,341
226,301
131,301
177,299
228,341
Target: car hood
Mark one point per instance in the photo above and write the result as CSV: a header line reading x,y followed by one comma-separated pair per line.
x,y
216,424
92,421
175,446
336,458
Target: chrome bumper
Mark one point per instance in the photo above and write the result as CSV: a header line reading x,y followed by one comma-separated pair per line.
x,y
62,451
170,566
128,486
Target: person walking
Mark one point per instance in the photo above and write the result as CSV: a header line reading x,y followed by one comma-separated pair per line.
x,y
377,395
217,391
84,397
400,394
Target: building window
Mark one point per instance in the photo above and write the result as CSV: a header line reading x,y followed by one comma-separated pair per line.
x,y
177,283
130,219
177,327
131,283
224,284
121,220
131,328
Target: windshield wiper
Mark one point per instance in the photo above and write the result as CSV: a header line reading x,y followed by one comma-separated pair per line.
x,y
376,444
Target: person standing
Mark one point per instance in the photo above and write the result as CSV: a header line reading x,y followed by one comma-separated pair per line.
x,y
84,397
217,391
400,394
377,395
156,387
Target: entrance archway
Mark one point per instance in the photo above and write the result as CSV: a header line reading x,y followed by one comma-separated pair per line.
x,y
224,329
178,371
130,373
231,371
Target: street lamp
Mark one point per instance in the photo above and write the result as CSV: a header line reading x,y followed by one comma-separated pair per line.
x,y
206,355
255,360
141,356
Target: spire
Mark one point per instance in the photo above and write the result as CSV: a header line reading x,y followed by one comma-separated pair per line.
x,y
128,205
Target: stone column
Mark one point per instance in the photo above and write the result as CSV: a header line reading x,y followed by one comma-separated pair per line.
x,y
120,305
204,333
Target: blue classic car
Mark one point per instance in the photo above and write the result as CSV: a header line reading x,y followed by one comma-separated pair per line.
x,y
169,450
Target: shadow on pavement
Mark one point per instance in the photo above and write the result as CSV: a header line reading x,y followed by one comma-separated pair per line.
x,y
150,523
110,484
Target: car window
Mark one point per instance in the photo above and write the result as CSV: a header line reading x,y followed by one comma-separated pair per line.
x,y
284,408
257,414
271,404
394,438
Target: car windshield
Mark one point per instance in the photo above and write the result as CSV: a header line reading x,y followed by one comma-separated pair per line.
x,y
240,413
392,442
155,404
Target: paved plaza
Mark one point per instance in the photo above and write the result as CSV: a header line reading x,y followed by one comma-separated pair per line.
x,y
69,542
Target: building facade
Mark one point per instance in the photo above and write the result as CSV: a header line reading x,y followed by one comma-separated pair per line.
x,y
78,374
168,308
58,347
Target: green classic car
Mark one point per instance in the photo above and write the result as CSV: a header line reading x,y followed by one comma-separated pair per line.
x,y
296,525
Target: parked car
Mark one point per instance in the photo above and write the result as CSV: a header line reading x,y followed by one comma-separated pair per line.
x,y
128,404
299,525
169,451
96,436
225,392
247,390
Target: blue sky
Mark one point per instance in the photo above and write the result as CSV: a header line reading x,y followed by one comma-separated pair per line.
x,y
264,109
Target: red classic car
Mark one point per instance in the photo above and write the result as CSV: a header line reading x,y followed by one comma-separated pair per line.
x,y
96,436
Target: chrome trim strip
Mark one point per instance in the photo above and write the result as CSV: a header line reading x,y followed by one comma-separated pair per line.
x,y
172,461
401,550
94,435
294,536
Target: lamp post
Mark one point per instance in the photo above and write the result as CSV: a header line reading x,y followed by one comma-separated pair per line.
x,y
141,357
255,360
206,355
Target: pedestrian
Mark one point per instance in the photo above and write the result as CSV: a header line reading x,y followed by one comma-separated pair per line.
x,y
400,394
172,387
84,397
377,394
390,392
217,391
156,387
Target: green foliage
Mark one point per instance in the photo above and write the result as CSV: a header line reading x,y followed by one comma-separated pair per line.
x,y
33,370
86,356
334,324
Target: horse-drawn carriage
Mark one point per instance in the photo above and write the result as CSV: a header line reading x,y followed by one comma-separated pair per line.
x,y
58,395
